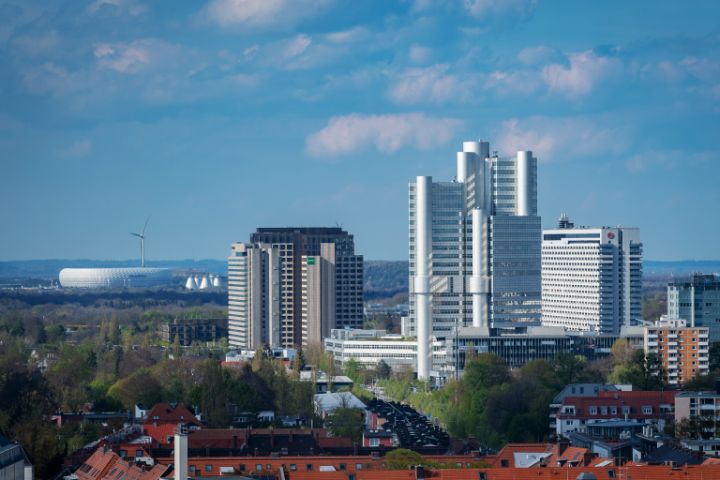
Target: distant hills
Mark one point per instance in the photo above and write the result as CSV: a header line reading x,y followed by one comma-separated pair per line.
x,y
384,278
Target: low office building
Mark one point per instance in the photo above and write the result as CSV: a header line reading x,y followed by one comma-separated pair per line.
x,y
684,351
520,344
368,347
191,330
615,414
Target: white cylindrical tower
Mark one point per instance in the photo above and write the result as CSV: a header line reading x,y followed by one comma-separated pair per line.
x,y
479,287
189,283
181,453
465,165
523,183
421,282
205,283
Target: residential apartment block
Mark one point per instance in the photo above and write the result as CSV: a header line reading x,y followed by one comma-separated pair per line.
x,y
702,406
614,414
697,301
684,351
474,247
291,286
591,277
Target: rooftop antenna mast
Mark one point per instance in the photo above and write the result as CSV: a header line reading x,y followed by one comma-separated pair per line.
x,y
141,236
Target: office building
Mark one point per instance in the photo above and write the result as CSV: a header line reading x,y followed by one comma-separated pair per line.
x,y
474,247
291,286
697,301
190,330
591,277
684,351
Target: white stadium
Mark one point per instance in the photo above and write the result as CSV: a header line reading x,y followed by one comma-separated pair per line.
x,y
132,277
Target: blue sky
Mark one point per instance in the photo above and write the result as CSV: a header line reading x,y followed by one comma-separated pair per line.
x,y
221,116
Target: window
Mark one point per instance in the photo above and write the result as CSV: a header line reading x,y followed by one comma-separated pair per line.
x,y
258,467
504,463
358,466
593,410
309,467
374,442
193,469
343,466
139,452
268,467
241,467
208,467
293,467
646,409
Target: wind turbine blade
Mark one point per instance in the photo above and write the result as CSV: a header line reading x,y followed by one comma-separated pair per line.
x,y
145,226
136,234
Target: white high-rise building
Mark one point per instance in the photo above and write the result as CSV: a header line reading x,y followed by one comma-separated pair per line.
x,y
474,247
591,277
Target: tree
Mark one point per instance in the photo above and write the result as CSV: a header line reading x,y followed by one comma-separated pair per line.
x,y
352,370
644,372
402,459
139,387
485,371
346,422
383,370
177,349
622,352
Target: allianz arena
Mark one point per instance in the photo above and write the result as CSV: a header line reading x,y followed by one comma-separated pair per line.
x,y
115,277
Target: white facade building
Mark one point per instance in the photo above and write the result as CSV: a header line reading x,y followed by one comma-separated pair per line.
x,y
591,277
130,277
474,247
368,347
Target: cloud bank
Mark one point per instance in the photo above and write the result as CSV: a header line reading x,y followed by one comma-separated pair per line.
x,y
387,133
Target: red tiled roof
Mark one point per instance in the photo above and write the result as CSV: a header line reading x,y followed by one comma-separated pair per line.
x,y
634,400
570,456
170,413
108,465
160,432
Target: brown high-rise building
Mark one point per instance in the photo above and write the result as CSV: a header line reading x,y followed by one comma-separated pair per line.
x,y
271,303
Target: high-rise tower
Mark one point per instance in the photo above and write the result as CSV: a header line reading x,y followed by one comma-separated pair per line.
x,y
289,286
474,247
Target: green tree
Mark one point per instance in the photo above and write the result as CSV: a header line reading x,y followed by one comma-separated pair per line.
x,y
485,371
346,422
352,370
402,459
383,370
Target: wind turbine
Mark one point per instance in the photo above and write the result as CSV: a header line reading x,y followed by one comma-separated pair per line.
x,y
141,236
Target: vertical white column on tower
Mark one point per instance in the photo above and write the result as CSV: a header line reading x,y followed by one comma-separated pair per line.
x,y
523,183
479,287
423,238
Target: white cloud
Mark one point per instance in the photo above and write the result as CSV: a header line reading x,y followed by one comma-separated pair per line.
x,y
580,76
432,84
420,54
488,8
297,46
539,55
79,148
560,138
513,82
262,13
387,133
135,56
131,7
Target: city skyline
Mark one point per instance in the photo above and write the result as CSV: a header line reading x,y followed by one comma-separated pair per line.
x,y
111,110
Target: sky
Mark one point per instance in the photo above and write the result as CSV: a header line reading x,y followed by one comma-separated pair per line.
x,y
221,116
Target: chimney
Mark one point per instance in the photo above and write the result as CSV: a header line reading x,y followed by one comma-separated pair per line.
x,y
181,453
562,446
